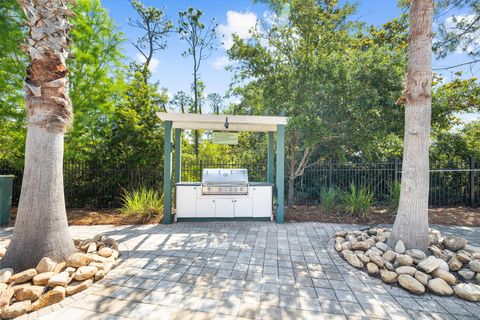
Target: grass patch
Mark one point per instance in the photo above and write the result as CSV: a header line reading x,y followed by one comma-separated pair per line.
x,y
328,199
357,201
142,202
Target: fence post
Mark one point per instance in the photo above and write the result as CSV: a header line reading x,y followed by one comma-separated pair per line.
x,y
330,173
472,182
395,173
201,169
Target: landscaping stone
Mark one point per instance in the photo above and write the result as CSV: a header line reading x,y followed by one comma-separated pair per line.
x,y
400,247
404,260
3,250
417,255
5,274
23,276
338,247
99,275
410,284
466,274
107,252
45,265
474,265
382,246
70,270
406,270
455,264
464,256
454,243
354,261
5,297
41,279
78,286
92,247
429,264
440,287
437,252
28,292
87,272
61,279
363,258
443,265
390,256
17,309
372,269
60,266
472,249
107,266
55,295
422,277
467,291
377,260
388,276
79,260
445,275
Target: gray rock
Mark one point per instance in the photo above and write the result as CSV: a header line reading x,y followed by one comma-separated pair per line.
x,y
372,269
466,274
389,256
406,270
5,274
455,264
422,277
443,266
382,246
464,256
445,275
342,234
361,245
472,249
440,287
416,254
429,264
404,260
400,247
388,276
411,284
467,291
377,260
437,252
389,266
354,261
454,243
474,265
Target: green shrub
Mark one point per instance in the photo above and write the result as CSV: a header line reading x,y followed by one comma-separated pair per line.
x,y
393,196
357,201
328,199
142,202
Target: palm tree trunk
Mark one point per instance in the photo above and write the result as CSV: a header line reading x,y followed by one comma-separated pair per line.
x,y
411,223
41,228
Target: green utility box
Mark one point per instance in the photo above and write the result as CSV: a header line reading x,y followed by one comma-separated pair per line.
x,y
6,186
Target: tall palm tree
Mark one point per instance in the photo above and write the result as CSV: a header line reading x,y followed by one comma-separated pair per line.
x,y
411,223
41,227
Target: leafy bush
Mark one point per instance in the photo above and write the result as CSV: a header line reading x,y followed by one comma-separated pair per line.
x,y
328,199
357,201
393,196
142,202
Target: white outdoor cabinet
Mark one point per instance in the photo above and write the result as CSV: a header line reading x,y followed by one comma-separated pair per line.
x,y
191,203
224,208
262,201
186,201
205,208
243,207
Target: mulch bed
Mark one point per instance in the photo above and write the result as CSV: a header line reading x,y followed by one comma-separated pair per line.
x,y
460,216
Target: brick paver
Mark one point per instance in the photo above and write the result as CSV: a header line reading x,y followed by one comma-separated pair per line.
x,y
244,270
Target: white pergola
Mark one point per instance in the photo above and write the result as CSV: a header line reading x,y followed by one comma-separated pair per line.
x,y
228,123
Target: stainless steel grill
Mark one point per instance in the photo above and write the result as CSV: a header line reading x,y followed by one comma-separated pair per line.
x,y
225,181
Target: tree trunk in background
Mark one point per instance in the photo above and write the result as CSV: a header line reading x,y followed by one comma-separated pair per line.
x,y
411,223
292,169
41,228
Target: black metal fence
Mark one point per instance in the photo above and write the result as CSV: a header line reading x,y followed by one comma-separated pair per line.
x,y
452,183
87,185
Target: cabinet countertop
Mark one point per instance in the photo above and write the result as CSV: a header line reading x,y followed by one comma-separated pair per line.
x,y
197,184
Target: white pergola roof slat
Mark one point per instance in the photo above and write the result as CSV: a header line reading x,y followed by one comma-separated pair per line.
x,y
217,122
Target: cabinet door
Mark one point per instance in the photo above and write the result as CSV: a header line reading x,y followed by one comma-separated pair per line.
x,y
186,197
224,208
205,208
262,201
243,207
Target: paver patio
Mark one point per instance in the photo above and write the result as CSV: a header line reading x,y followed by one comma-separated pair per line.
x,y
244,270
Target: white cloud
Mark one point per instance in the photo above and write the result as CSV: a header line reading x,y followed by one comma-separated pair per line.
x,y
219,63
238,23
153,66
467,44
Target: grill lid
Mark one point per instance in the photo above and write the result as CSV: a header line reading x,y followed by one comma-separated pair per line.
x,y
224,176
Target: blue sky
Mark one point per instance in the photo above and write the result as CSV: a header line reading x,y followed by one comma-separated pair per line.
x,y
174,71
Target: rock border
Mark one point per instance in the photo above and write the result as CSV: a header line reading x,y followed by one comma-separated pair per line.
x,y
51,282
452,265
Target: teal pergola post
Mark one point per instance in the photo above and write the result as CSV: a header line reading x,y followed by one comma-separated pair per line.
x,y
167,174
178,155
270,157
280,173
